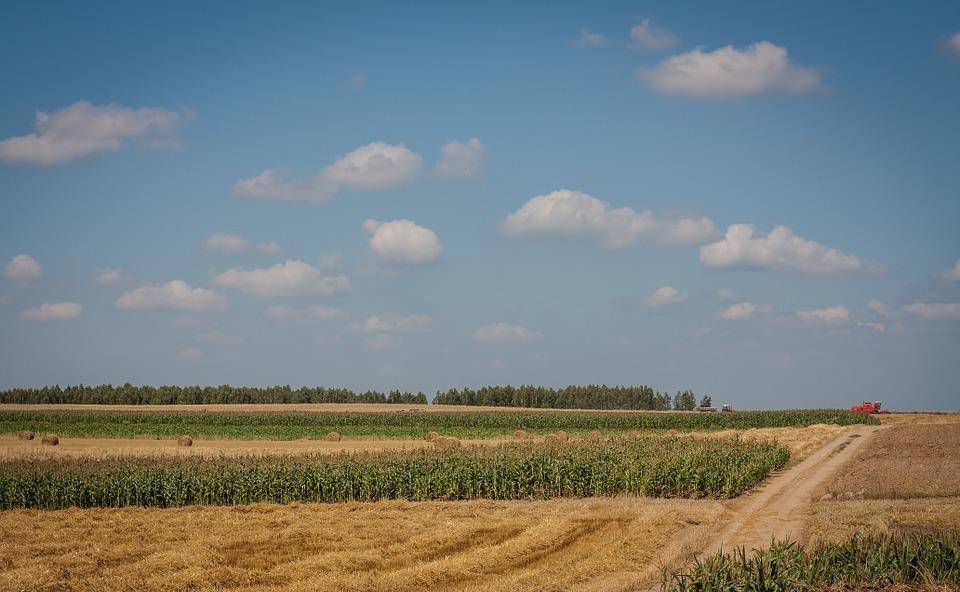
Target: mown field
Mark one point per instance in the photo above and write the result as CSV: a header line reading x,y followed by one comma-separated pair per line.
x,y
296,425
651,466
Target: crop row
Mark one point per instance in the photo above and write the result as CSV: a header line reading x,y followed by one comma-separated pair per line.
x,y
860,563
654,466
294,425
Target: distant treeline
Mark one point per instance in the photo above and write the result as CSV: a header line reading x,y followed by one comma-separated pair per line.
x,y
128,394
594,396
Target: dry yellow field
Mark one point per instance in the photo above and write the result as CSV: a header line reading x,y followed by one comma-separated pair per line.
x,y
592,544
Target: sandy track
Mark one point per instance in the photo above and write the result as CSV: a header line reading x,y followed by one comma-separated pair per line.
x,y
780,508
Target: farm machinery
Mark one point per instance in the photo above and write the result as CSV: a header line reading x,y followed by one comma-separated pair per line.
x,y
869,407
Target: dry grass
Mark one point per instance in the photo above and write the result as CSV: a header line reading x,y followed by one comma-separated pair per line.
x,y
901,462
835,521
918,418
800,441
592,544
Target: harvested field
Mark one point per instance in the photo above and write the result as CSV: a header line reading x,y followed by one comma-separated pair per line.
x,y
594,544
835,521
918,418
903,461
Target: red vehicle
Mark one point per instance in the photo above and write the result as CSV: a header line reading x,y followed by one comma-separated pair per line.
x,y
869,407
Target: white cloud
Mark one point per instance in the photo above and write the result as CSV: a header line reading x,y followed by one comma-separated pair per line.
x,y
318,312
461,160
835,315
665,295
951,46
405,324
218,338
743,310
880,308
293,278
176,294
57,311
781,250
269,248
190,354
274,184
505,333
23,267
646,35
379,342
878,327
109,275
725,294
589,39
729,72
574,214
952,274
403,241
225,243
375,166
934,310
82,129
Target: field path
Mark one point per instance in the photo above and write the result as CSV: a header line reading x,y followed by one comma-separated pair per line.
x,y
778,509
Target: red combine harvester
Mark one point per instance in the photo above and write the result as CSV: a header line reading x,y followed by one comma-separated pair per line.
x,y
869,407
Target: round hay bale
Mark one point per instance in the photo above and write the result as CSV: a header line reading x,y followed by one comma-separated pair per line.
x,y
551,439
25,435
519,435
562,436
333,437
50,440
432,436
445,442
184,441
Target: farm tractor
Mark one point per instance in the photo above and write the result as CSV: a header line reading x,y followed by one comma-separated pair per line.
x,y
869,407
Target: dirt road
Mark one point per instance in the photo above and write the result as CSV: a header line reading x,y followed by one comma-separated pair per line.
x,y
778,508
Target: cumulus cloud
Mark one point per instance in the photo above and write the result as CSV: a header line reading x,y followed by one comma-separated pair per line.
x,y
317,312
82,129
461,160
379,342
743,310
268,248
665,295
293,278
934,310
835,315
377,165
729,72
23,267
505,333
56,311
405,324
574,214
781,250
952,274
951,46
880,308
878,327
589,39
176,294
109,275
647,35
225,243
403,241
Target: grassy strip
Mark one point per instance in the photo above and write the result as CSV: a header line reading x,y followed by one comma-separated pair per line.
x,y
657,466
863,563
295,425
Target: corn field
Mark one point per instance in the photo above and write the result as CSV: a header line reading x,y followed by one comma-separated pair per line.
x,y
295,425
655,466
861,563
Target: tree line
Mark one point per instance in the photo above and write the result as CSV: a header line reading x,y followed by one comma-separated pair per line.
x,y
128,394
594,396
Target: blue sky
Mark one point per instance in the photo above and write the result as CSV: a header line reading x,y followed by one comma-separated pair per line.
x,y
421,197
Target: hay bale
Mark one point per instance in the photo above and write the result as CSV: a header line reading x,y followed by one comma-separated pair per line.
x,y
445,442
519,435
50,440
184,441
562,436
551,439
25,435
432,436
333,437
